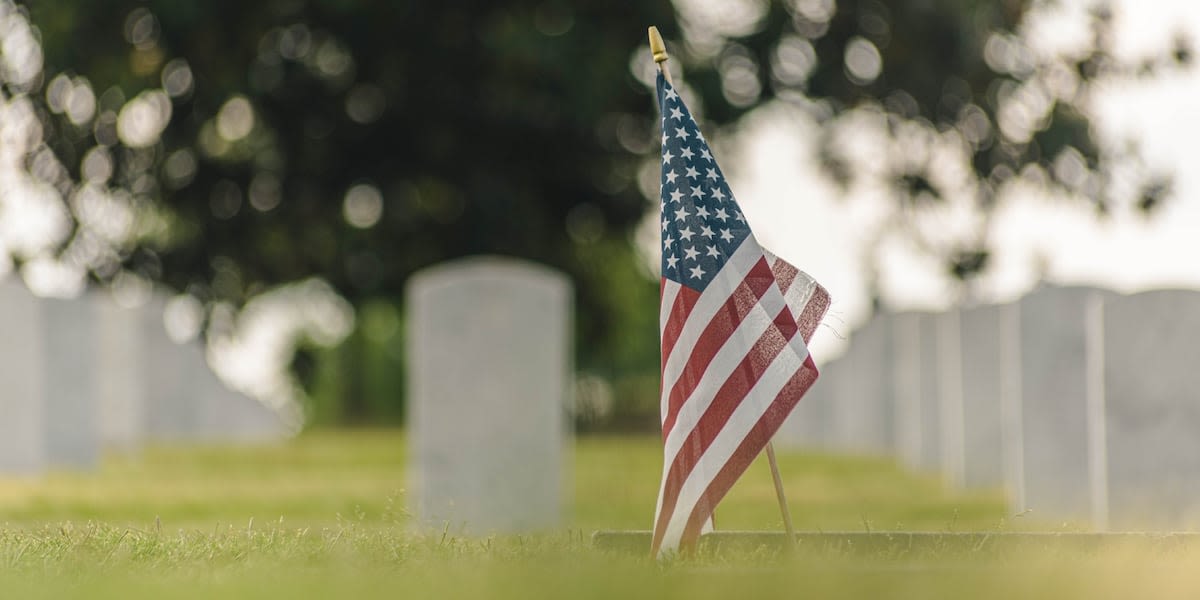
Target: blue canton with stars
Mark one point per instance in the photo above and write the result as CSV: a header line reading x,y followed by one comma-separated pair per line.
x,y
701,223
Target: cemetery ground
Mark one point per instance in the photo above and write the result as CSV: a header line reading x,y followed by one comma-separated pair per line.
x,y
324,515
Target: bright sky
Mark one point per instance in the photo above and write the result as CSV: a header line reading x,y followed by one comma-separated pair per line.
x,y
795,212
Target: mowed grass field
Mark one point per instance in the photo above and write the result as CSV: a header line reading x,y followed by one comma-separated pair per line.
x,y
325,515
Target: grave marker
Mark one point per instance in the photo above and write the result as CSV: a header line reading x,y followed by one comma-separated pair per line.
x,y
22,435
1152,416
489,372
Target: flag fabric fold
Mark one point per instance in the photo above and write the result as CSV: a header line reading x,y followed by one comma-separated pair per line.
x,y
735,321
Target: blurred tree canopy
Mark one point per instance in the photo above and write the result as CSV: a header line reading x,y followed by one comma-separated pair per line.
x,y
360,141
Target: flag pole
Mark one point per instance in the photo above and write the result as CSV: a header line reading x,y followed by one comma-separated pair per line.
x,y
659,50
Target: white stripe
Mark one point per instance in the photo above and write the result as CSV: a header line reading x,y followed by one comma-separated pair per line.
x,y
799,291
743,419
760,319
670,290
713,298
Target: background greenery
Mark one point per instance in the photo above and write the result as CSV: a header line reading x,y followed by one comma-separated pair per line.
x,y
525,128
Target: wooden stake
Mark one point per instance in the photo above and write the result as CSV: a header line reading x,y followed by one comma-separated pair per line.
x,y
783,506
659,50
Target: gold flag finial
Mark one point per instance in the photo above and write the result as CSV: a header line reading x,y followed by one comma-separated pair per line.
x,y
657,47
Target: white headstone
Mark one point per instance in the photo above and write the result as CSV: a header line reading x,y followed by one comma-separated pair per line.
x,y
919,407
862,401
70,400
22,435
120,374
489,361
983,414
1057,467
1152,397
169,384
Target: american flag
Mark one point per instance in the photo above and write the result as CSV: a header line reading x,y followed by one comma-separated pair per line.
x,y
734,322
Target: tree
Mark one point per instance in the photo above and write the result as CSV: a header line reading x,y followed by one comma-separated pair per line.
x,y
358,140
935,73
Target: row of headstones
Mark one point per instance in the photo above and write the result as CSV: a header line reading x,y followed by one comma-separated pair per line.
x,y
83,375
1083,405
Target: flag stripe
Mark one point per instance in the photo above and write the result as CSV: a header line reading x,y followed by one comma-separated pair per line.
x,y
717,335
673,320
715,441
762,432
727,364
743,259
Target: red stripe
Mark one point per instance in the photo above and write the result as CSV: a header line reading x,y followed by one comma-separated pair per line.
x,y
685,301
727,399
724,322
812,313
748,450
785,273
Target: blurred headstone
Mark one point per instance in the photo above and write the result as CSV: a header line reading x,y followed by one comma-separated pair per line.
x,y
909,391
919,434
1152,398
983,411
22,435
946,329
489,361
120,373
862,391
169,385
70,400
1054,409
222,414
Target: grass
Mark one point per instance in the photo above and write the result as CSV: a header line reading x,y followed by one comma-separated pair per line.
x,y
325,516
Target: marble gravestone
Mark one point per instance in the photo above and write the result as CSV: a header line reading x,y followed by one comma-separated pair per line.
x,y
489,368
983,409
70,403
22,435
119,375
908,424
861,381
1152,416
1056,425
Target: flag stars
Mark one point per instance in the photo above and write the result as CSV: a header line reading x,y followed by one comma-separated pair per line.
x,y
686,234
671,95
682,214
672,175
726,235
712,251
737,214
706,155
691,253
676,114
696,272
667,241
687,153
676,196
666,223
718,194
712,173
671,260
705,231
721,214
667,157
682,133
702,213
697,192
691,172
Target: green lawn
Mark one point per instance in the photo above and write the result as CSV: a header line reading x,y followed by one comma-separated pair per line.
x,y
325,516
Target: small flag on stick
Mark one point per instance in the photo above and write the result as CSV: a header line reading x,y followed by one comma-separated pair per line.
x,y
734,322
